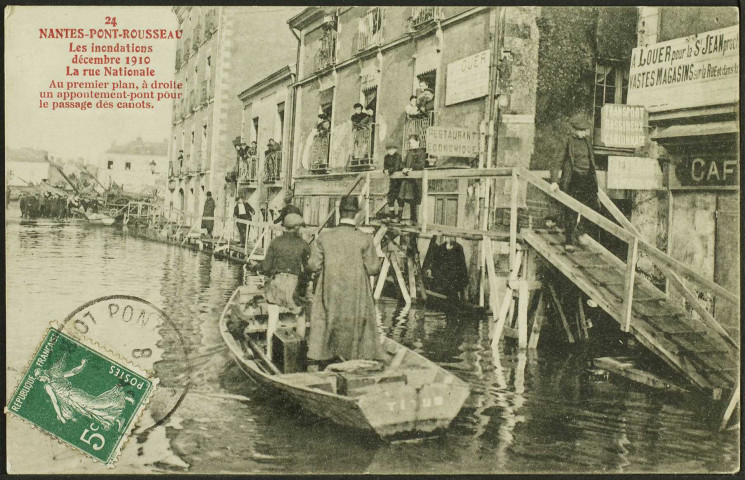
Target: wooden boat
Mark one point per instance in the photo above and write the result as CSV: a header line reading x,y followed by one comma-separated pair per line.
x,y
407,394
98,218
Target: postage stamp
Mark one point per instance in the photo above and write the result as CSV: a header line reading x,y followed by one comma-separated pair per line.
x,y
82,394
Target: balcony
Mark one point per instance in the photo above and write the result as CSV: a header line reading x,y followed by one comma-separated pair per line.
x,y
273,166
319,154
421,16
248,169
186,52
204,93
371,29
210,23
178,59
361,158
197,38
326,55
417,126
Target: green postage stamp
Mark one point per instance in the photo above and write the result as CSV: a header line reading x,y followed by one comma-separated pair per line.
x,y
82,396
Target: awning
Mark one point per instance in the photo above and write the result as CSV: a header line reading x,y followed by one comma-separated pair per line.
x,y
325,97
697,130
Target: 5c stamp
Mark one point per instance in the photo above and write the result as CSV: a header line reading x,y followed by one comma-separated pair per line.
x,y
79,393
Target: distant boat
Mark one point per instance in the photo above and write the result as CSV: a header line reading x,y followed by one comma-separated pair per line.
x,y
406,394
99,218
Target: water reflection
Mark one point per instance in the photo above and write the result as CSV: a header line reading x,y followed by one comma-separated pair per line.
x,y
528,411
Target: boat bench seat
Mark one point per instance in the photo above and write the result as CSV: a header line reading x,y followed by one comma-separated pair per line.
x,y
325,381
352,384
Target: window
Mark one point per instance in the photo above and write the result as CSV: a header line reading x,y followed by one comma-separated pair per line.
x,y
444,197
110,165
255,132
281,121
611,86
128,166
370,28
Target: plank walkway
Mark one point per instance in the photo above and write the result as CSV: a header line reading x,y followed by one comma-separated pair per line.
x,y
663,326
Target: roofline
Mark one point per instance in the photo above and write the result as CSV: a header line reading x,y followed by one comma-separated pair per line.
x,y
272,79
308,15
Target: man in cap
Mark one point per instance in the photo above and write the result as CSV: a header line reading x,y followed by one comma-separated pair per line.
x,y
578,177
411,189
392,164
243,211
342,316
285,260
288,208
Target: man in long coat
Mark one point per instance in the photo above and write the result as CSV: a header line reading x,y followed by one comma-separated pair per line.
x,y
209,211
578,177
342,322
410,190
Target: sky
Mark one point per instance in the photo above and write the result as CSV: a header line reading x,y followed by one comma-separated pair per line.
x,y
32,63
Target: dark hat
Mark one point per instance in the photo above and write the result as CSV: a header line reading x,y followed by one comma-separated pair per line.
x,y
358,105
209,194
391,145
579,122
349,204
323,116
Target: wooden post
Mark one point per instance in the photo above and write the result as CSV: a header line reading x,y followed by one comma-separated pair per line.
x,y
581,317
412,278
513,221
522,315
400,278
367,198
538,317
382,277
482,271
560,311
425,199
336,212
730,407
245,244
668,247
489,254
628,284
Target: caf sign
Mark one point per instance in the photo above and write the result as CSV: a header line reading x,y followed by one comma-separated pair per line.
x,y
708,172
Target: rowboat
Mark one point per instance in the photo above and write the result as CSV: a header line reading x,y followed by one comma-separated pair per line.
x,y
407,394
98,218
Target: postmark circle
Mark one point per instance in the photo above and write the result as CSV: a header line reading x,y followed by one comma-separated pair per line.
x,y
144,335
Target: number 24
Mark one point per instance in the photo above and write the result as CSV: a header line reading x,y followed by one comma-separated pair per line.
x,y
110,21
97,436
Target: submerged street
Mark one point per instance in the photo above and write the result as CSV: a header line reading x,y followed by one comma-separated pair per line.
x,y
528,412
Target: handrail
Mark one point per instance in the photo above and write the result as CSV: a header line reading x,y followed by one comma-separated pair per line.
x,y
677,283
627,236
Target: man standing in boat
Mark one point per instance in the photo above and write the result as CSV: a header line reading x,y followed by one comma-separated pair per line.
x,y
342,319
286,259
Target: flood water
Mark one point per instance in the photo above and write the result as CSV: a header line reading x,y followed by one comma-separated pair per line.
x,y
534,412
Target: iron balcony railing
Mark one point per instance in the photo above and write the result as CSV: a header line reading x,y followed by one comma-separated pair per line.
x,y
248,169
417,126
210,22
370,29
326,55
273,167
320,153
422,15
363,142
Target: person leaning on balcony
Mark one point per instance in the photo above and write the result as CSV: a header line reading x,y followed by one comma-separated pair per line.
x,y
425,98
287,209
270,160
208,211
412,109
286,259
411,189
578,177
392,164
360,127
252,149
323,126
243,211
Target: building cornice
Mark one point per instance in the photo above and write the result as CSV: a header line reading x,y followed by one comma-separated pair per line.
x,y
270,80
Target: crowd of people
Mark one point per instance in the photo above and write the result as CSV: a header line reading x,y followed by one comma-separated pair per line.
x,y
46,205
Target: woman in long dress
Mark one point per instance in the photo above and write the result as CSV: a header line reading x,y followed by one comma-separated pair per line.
x,y
68,401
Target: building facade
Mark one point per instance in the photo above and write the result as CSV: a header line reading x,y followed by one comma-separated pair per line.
x,y
136,166
262,168
222,50
26,166
685,73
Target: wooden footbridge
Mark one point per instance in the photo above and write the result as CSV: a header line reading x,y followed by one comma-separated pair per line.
x,y
682,334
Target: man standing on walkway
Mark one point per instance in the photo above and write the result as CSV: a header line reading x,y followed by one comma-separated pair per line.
x,y
411,189
287,209
578,177
286,259
209,212
342,320
243,211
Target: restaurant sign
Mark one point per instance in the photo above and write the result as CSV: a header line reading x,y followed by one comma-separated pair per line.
x,y
688,72
634,173
468,78
706,172
623,126
452,142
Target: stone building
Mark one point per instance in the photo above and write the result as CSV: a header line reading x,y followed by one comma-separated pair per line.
x,y
136,166
222,50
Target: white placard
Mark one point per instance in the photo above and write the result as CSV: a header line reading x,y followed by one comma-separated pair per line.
x,y
468,78
694,71
634,173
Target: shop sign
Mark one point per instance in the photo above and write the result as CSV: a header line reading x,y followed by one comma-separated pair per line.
x,y
634,173
452,142
707,172
694,71
623,126
468,78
